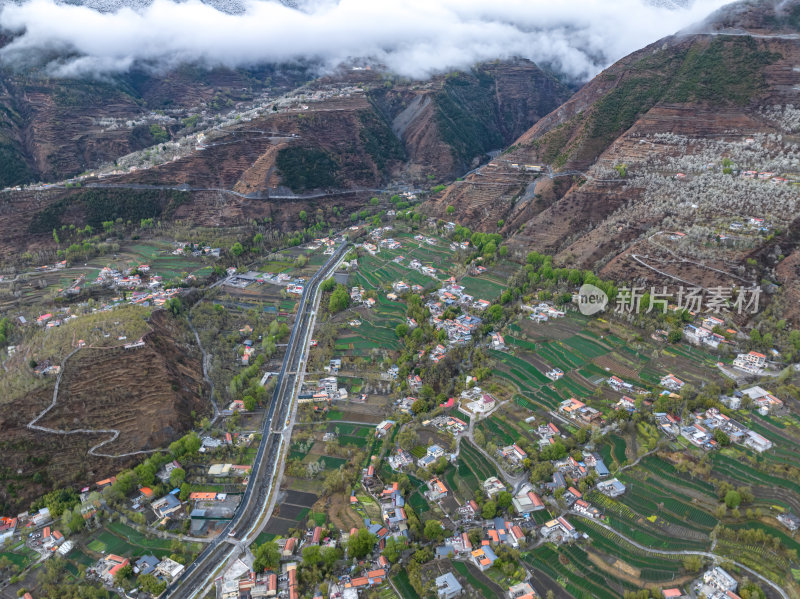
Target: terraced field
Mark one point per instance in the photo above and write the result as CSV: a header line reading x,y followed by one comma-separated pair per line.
x,y
580,578
652,567
469,472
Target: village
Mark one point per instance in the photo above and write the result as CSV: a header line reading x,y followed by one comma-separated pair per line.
x,y
484,475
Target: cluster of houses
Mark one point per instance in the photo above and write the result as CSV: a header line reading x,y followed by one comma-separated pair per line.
x,y
764,401
543,312
239,581
701,432
325,389
703,333
513,454
548,434
243,280
671,383
195,249
459,245
579,412
447,424
716,583
475,401
452,294
460,329
149,293
357,296
764,175
752,362
327,242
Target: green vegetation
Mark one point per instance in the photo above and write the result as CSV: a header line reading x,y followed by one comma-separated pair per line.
x,y
379,140
109,205
729,69
13,169
306,168
404,586
464,570
465,114
340,299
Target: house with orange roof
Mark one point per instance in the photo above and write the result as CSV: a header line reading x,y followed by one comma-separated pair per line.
x,y
436,490
483,557
106,482
7,528
111,565
671,382
522,590
316,536
200,496
289,547
753,362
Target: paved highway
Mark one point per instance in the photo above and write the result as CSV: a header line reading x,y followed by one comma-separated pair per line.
x,y
201,572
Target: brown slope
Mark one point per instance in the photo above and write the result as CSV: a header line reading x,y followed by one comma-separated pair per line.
x,y
701,87
148,394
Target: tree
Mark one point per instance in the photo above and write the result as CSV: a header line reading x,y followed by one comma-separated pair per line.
x,y
361,543
504,500
312,555
176,477
327,285
489,510
494,313
450,210
123,574
733,499
186,490
434,531
151,584
267,556
174,306
237,249
303,215
393,550
692,563
675,335
721,437
401,330
407,438
340,299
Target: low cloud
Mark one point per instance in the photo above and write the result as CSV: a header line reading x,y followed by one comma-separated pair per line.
x,y
414,38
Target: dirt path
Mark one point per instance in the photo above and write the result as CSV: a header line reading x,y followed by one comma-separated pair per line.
x,y
114,433
623,574
712,556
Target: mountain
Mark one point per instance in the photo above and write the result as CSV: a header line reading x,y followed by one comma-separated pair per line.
x,y
53,128
660,141
344,135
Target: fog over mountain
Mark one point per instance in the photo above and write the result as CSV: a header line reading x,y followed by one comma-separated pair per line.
x,y
410,37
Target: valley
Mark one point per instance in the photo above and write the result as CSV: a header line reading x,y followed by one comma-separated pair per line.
x,y
302,330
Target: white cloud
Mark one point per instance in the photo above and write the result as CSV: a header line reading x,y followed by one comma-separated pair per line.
x,y
411,37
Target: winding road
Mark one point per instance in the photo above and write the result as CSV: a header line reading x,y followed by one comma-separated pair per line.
x,y
713,556
81,431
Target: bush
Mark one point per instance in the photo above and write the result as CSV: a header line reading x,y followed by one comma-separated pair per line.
x,y
340,299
